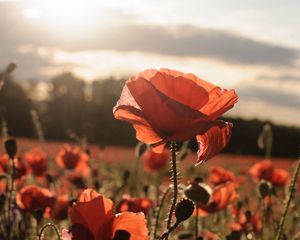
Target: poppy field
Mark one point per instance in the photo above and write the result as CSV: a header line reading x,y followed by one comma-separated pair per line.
x,y
160,189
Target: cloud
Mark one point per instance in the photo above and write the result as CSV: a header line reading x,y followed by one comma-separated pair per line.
x,y
287,77
275,97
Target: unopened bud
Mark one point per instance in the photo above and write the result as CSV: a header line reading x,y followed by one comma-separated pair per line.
x,y
184,209
11,147
264,188
10,68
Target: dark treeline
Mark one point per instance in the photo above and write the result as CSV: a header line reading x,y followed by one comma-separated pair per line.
x,y
86,109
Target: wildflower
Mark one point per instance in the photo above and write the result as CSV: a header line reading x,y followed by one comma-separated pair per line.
x,y
265,170
134,205
37,160
93,217
60,209
71,158
19,167
222,196
167,105
155,161
32,198
220,175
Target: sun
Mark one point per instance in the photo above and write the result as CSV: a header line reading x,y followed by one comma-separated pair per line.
x,y
63,15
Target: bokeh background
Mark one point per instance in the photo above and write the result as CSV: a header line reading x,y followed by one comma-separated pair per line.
x,y
74,56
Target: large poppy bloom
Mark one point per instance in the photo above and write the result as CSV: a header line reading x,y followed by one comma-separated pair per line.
x,y
32,198
93,218
168,105
37,160
265,170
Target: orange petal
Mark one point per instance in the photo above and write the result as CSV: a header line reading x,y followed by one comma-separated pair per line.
x,y
213,140
224,195
133,223
94,212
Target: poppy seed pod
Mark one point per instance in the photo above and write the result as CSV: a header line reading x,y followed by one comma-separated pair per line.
x,y
198,193
184,209
11,147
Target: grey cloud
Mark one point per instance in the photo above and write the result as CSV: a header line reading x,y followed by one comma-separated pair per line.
x,y
180,41
281,78
274,97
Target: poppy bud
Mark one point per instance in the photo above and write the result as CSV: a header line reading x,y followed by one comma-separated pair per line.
x,y
248,215
140,148
10,68
197,193
184,209
11,147
264,188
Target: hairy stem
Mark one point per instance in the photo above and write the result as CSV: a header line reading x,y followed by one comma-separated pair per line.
x,y
288,201
175,186
159,208
48,225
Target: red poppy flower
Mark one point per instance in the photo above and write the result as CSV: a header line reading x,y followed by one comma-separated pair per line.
x,y
220,175
32,198
37,160
167,105
135,205
93,217
222,196
20,169
71,158
265,170
155,161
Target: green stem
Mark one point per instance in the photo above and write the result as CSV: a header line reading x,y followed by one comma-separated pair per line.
x,y
159,211
196,221
48,225
175,186
288,200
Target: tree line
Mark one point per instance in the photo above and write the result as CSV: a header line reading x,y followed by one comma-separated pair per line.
x,y
74,106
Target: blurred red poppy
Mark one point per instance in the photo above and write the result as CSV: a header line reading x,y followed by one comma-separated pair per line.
x,y
93,217
167,105
128,204
155,161
245,222
60,208
71,157
220,175
265,170
32,198
222,196
37,160
20,169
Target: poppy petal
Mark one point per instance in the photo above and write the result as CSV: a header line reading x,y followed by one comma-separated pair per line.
x,y
213,140
133,223
94,212
224,195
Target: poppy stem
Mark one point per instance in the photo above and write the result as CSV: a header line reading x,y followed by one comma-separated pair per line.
x,y
10,198
175,186
196,221
292,189
48,225
159,208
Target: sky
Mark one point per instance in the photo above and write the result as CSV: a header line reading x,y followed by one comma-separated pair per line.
x,y
252,46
